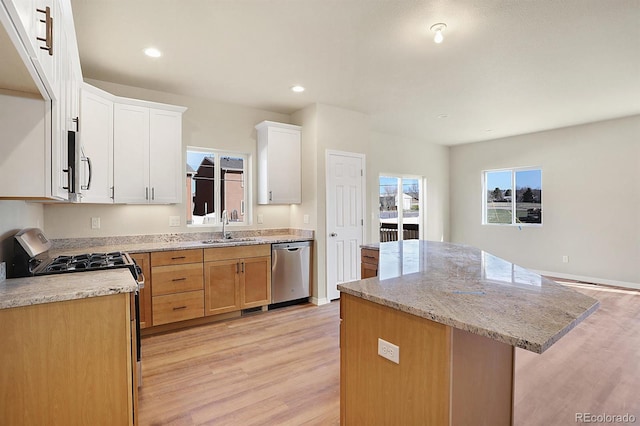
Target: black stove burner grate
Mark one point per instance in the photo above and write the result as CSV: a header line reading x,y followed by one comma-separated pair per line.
x,y
86,262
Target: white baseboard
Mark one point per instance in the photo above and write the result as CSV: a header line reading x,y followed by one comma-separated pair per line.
x,y
319,302
593,280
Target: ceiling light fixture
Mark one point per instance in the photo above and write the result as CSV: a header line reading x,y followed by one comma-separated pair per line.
x,y
438,29
152,52
297,89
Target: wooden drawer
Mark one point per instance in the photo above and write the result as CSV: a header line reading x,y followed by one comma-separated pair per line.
x,y
238,252
178,307
370,256
177,278
176,257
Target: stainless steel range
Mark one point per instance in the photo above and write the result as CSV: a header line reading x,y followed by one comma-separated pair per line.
x,y
31,258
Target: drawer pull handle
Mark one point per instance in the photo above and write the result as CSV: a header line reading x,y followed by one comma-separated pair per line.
x,y
178,279
368,257
177,308
178,257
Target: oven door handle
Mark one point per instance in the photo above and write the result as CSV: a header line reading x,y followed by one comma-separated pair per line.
x,y
140,274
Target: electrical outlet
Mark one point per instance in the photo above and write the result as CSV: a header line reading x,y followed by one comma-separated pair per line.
x,y
95,223
389,351
3,271
305,219
260,218
174,220
565,259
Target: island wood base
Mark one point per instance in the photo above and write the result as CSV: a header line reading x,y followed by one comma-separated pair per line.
x,y
445,376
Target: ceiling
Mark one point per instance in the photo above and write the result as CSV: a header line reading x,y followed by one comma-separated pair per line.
x,y
505,67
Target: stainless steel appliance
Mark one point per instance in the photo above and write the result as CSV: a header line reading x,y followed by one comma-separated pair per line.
x,y
31,258
290,271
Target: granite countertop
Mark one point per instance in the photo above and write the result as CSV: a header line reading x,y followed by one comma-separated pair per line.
x,y
469,289
129,246
60,287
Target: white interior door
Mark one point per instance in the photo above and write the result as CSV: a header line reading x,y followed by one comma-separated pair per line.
x,y
345,196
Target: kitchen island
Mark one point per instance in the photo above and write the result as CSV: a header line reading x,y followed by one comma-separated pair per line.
x,y
455,315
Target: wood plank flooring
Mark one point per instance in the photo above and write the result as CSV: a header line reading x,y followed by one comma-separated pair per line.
x,y
282,368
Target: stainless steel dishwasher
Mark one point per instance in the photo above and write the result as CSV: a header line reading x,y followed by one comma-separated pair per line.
x,y
290,271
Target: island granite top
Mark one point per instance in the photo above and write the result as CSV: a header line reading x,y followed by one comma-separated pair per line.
x,y
60,287
469,289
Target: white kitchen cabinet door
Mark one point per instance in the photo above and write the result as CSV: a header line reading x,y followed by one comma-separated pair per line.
x,y
96,147
165,156
131,154
279,163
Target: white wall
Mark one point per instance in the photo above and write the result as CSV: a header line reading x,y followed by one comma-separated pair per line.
x,y
398,155
591,200
206,123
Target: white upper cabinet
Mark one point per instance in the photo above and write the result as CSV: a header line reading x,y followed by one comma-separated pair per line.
x,y
165,156
147,153
95,153
279,163
40,43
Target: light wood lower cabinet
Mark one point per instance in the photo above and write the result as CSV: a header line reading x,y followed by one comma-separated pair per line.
x,y
68,363
369,263
191,284
177,286
236,278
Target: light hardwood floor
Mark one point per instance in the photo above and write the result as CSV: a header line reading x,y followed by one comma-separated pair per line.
x,y
282,368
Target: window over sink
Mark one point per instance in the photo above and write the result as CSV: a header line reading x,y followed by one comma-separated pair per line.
x,y
216,181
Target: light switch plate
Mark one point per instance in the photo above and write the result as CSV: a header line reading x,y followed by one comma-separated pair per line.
x,y
305,218
260,218
95,223
3,271
174,220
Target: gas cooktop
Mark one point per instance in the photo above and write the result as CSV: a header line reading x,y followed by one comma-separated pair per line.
x,y
84,262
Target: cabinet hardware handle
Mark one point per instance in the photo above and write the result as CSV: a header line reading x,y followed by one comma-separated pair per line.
x,y
146,193
333,234
368,257
70,184
237,267
270,195
77,121
179,279
178,257
242,267
113,193
48,20
177,308
153,193
88,185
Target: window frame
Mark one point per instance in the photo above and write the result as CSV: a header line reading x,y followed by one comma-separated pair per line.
x,y
217,176
422,202
514,217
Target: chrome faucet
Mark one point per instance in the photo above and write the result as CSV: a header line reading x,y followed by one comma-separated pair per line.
x,y
225,221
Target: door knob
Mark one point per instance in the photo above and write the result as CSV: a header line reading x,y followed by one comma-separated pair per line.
x,y
333,234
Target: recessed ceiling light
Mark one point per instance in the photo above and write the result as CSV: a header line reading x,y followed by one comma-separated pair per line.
x,y
441,116
152,52
297,89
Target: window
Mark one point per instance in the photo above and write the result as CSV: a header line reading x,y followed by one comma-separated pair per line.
x,y
400,207
512,197
216,181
